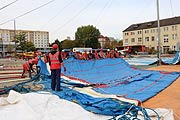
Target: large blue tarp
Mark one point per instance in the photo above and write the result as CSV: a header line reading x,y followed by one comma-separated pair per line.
x,y
115,76
112,76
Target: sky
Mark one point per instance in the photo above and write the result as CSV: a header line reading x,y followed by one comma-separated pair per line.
x,y
61,18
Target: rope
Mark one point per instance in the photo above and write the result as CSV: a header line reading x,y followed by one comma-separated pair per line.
x,y
132,114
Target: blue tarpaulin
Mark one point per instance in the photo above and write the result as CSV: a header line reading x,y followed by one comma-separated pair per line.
x,y
110,76
175,60
43,67
116,76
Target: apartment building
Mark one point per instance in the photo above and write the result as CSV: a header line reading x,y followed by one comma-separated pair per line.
x,y
143,37
40,39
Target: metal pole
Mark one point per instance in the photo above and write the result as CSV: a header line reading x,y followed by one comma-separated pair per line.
x,y
159,42
14,35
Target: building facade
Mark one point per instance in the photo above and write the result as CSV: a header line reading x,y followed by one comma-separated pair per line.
x,y
103,40
40,39
143,37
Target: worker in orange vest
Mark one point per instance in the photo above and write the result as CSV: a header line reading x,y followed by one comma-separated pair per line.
x,y
55,62
96,55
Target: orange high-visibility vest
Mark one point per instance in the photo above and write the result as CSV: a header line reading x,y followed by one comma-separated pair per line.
x,y
54,59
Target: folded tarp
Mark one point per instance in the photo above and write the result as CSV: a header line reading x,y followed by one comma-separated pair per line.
x,y
174,61
105,106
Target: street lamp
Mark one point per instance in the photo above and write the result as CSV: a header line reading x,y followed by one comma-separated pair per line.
x,y
14,36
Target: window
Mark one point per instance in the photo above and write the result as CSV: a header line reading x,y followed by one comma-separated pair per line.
x,y
132,33
151,30
165,29
165,38
146,31
126,41
174,36
174,27
139,32
152,38
125,34
173,47
139,40
132,40
156,30
147,39
165,49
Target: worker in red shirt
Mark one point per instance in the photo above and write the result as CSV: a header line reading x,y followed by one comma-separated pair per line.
x,y
27,67
55,62
96,55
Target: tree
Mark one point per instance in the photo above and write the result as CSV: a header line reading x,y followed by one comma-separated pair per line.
x,y
20,40
87,36
10,48
23,44
67,44
29,46
113,44
120,43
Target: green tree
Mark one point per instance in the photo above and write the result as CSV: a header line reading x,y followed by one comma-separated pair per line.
x,y
113,44
87,36
67,44
29,46
120,43
20,40
23,44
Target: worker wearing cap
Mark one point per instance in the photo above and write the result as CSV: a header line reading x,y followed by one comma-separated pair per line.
x,y
55,62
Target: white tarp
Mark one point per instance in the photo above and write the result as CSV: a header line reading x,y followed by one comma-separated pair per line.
x,y
34,106
45,106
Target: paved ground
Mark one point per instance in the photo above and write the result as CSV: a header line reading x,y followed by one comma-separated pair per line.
x,y
170,97
10,72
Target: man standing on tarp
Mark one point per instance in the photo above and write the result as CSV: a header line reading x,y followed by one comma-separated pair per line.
x,y
55,62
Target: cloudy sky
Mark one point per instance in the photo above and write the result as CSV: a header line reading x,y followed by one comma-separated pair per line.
x,y
62,17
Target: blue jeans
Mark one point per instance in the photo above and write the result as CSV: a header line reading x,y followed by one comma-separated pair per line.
x,y
55,76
